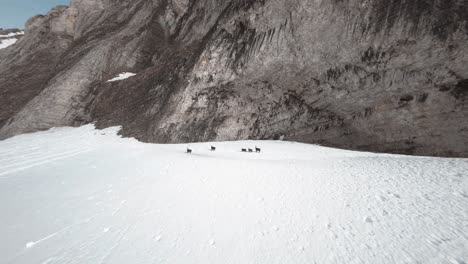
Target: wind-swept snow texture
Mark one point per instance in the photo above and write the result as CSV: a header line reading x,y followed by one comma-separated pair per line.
x,y
79,195
122,76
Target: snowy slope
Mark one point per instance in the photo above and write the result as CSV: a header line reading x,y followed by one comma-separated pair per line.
x,y
5,43
9,39
78,195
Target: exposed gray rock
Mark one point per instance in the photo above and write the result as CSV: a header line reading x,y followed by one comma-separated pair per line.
x,y
379,75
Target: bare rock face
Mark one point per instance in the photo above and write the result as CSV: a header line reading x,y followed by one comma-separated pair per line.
x,y
27,66
378,75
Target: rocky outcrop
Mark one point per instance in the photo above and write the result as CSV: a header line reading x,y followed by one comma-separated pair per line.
x,y
379,75
27,66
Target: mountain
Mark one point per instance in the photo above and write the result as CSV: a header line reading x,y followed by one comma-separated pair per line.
x,y
378,75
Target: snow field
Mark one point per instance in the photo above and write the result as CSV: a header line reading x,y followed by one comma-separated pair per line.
x,y
80,195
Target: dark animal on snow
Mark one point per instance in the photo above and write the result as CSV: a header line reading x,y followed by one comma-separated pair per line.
x,y
258,150
244,150
250,150
189,150
213,148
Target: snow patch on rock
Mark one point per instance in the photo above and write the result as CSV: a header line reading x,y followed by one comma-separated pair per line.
x,y
5,43
9,39
122,76
13,34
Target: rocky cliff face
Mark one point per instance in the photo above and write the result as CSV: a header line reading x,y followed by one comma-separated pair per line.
x,y
379,75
